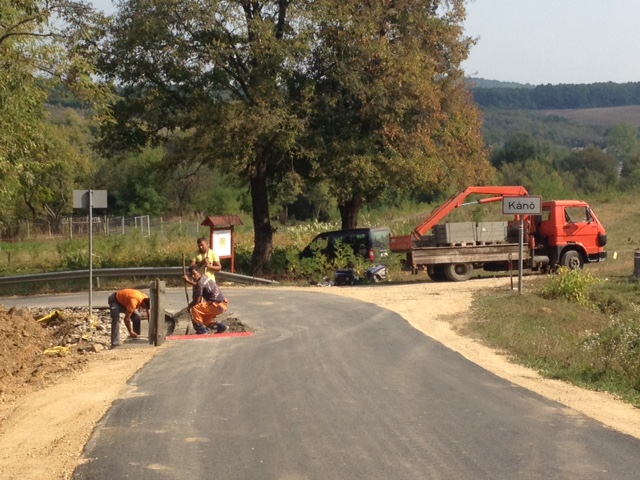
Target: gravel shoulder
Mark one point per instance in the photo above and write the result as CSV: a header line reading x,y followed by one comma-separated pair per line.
x,y
42,434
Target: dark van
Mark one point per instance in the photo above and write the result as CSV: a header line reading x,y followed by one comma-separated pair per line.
x,y
369,243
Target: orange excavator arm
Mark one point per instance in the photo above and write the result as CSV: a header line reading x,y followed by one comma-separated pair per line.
x,y
456,201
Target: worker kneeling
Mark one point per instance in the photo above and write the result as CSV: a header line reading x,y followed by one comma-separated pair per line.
x,y
207,302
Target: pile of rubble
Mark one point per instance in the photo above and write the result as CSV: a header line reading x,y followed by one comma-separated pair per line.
x,y
73,328
38,346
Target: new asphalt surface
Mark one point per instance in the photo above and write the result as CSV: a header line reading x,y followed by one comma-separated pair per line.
x,y
333,388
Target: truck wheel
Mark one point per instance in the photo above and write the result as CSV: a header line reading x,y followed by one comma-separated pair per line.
x,y
572,260
458,272
436,273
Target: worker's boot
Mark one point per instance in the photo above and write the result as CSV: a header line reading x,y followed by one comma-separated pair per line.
x,y
200,328
219,327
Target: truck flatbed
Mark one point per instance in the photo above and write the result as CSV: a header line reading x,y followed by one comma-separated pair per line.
x,y
465,254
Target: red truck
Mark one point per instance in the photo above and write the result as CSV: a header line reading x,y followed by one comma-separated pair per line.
x,y
567,233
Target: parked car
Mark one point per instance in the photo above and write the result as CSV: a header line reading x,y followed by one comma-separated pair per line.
x,y
369,243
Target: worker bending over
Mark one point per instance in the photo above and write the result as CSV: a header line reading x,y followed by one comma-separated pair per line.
x,y
128,301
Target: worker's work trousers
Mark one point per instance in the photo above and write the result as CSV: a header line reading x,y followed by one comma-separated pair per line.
x,y
204,313
116,309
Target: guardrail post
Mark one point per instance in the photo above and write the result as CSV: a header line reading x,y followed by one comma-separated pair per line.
x,y
157,291
636,264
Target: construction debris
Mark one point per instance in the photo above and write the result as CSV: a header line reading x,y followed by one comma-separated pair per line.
x,y
39,346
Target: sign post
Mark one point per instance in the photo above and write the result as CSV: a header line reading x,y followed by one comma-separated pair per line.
x,y
90,199
521,206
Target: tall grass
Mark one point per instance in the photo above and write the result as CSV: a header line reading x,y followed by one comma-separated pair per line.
x,y
591,341
167,249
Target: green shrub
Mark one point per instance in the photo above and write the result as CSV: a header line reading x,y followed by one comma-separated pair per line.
x,y
345,258
572,285
613,354
74,254
314,268
76,260
281,259
242,257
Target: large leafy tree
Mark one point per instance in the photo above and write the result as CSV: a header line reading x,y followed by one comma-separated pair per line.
x,y
519,148
391,108
593,170
539,176
61,163
137,186
623,143
362,95
220,72
39,40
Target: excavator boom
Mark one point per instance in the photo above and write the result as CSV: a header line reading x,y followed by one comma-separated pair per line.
x,y
456,201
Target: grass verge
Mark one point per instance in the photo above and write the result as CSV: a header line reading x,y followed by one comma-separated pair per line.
x,y
572,326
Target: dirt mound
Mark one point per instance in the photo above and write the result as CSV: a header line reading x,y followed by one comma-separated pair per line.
x,y
33,354
38,346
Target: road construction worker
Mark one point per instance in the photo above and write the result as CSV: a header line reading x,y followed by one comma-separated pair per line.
x,y
207,302
206,259
128,301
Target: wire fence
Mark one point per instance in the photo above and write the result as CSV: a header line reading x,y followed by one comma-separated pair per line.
x,y
78,227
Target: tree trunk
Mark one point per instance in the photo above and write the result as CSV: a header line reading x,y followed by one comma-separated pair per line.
x,y
31,207
263,233
349,212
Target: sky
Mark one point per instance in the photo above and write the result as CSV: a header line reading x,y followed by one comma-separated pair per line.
x,y
548,41
554,41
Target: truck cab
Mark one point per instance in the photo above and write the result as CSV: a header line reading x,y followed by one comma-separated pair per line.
x,y
569,232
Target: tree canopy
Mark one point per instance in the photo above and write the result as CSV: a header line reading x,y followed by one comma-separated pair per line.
x,y
40,42
362,96
390,109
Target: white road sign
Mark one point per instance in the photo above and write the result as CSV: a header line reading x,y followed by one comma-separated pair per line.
x,y
87,198
523,205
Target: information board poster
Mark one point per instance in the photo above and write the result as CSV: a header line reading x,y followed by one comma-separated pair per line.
x,y
222,243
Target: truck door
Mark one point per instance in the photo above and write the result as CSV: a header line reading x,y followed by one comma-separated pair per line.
x,y
579,227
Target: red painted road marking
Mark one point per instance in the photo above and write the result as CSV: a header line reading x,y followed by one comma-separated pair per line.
x,y
208,335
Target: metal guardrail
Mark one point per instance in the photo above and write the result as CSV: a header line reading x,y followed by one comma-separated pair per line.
x,y
127,272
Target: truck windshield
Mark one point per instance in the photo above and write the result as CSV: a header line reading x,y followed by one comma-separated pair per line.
x,y
577,214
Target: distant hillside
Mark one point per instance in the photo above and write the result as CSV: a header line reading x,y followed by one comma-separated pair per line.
x,y
552,97
605,117
484,83
564,128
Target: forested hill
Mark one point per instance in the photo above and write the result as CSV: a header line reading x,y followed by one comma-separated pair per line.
x,y
554,97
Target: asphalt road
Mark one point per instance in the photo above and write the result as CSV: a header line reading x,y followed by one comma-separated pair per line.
x,y
333,388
